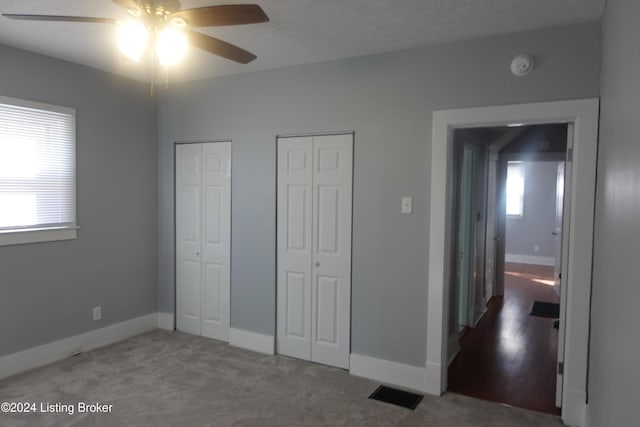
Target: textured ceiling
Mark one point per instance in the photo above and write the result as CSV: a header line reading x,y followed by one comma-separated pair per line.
x,y
300,31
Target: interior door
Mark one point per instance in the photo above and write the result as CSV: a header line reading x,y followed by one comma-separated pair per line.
x,y
314,248
203,238
557,232
564,257
216,240
466,238
492,234
331,285
501,225
294,247
188,237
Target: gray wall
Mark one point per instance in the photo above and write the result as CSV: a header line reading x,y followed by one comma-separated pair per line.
x,y
47,289
614,371
388,101
539,219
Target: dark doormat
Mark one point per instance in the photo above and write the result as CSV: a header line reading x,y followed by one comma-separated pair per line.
x,y
396,397
545,309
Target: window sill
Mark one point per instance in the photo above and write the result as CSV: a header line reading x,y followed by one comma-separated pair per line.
x,y
20,237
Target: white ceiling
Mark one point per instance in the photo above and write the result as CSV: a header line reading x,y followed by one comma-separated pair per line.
x,y
300,31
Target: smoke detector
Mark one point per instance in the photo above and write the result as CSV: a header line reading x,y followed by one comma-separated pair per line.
x,y
522,65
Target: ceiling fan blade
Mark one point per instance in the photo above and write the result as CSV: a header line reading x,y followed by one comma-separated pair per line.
x,y
214,16
58,18
220,48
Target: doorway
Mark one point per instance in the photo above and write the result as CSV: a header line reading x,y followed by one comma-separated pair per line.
x,y
584,115
508,355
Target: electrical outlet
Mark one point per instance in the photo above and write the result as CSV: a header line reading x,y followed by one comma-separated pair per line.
x,y
97,313
536,249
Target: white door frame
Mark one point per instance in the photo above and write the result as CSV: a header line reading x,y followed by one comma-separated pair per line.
x,y
583,114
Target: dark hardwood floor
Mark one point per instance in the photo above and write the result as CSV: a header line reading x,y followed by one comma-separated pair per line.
x,y
510,356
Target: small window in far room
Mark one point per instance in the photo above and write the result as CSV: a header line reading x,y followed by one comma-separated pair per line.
x,y
515,189
37,172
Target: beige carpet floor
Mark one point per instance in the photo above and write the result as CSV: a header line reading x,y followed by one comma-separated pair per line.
x,y
174,379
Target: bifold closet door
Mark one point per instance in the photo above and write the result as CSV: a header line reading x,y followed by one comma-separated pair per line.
x,y
314,248
203,238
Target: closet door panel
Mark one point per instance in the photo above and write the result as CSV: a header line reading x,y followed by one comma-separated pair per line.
x,y
314,248
203,238
331,284
295,169
188,237
216,244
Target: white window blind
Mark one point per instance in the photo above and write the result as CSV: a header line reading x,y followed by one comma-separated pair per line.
x,y
37,166
515,188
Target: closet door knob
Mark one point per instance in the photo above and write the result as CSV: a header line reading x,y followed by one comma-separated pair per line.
x,y
317,264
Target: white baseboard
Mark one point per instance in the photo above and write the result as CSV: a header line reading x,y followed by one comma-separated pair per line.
x,y
386,371
587,418
433,377
252,341
574,408
530,259
166,321
15,363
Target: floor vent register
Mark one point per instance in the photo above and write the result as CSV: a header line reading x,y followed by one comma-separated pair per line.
x,y
396,397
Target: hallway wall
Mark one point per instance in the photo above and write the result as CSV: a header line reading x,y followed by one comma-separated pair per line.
x,y
539,217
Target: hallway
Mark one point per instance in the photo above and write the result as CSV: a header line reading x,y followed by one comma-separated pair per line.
x,y
510,356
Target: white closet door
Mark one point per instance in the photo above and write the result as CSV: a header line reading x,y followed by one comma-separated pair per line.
x,y
188,237
314,248
203,238
331,284
216,239
295,171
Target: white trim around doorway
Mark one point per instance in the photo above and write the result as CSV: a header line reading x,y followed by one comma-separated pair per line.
x,y
583,113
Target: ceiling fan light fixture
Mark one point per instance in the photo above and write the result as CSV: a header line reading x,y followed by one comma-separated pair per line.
x,y
159,25
171,46
132,39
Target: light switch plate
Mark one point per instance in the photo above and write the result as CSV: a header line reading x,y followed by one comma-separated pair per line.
x,y
407,205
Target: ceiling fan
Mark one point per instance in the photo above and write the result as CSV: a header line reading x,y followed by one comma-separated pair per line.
x,y
165,24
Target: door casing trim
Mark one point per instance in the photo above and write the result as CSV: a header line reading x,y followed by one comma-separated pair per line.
x,y
583,113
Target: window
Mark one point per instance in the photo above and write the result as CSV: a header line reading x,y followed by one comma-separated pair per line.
x,y
37,172
515,189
